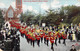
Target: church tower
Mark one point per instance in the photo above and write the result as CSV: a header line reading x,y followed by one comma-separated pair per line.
x,y
19,6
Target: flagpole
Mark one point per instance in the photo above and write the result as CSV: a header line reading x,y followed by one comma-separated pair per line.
x,y
40,16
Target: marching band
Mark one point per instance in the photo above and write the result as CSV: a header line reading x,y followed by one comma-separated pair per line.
x,y
36,34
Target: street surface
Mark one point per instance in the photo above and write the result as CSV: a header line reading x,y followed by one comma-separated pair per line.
x,y
24,46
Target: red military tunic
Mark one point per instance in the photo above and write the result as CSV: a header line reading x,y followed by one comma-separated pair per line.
x,y
64,36
59,34
52,39
41,35
28,36
32,30
47,38
23,30
33,39
38,37
49,33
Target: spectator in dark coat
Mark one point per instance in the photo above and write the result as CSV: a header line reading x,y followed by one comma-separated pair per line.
x,y
73,48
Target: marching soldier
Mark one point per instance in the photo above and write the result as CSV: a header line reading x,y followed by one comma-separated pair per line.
x,y
41,35
52,42
47,39
22,30
33,40
38,40
55,37
64,38
59,36
28,38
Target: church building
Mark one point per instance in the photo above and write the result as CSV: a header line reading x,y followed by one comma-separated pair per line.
x,y
12,14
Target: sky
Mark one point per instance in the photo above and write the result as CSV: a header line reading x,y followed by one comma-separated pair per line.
x,y
38,7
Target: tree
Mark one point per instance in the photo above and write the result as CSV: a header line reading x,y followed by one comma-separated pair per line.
x,y
67,14
27,17
71,11
76,19
52,17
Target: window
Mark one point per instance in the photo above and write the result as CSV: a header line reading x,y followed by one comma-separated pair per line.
x,y
10,13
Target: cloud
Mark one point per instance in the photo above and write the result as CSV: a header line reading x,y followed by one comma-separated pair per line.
x,y
65,5
36,11
30,8
2,5
24,7
44,6
55,4
77,4
13,4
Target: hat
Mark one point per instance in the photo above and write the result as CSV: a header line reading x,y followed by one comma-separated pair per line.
x,y
72,45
